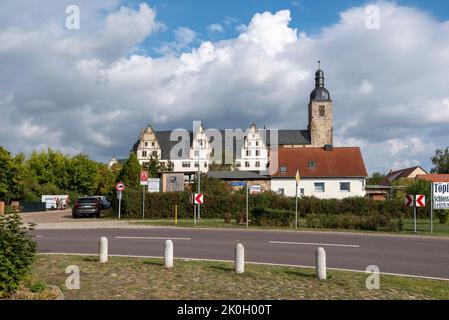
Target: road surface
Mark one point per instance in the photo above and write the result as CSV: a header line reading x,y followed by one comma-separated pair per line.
x,y
407,255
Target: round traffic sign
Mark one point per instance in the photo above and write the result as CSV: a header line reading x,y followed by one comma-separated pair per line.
x,y
120,186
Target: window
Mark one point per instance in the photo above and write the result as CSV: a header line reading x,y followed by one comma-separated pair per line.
x,y
247,164
249,143
345,186
196,164
205,164
281,191
154,153
319,187
173,179
186,164
301,191
152,144
197,153
311,164
283,169
257,143
201,143
257,153
248,152
238,164
322,111
257,164
144,153
146,144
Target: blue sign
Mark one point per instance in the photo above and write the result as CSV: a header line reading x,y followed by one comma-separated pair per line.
x,y
238,183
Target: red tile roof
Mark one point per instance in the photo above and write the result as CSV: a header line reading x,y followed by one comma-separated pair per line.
x,y
434,177
338,162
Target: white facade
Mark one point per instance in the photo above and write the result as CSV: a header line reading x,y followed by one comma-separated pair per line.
x,y
334,188
254,153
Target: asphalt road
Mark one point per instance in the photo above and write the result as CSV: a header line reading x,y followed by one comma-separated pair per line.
x,y
409,255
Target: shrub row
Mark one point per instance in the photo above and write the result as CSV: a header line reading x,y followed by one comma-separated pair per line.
x,y
161,205
273,217
350,221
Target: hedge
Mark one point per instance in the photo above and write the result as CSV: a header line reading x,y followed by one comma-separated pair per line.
x,y
273,217
216,205
350,221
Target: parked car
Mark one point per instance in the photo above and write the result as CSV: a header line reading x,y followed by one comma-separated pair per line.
x,y
105,204
86,206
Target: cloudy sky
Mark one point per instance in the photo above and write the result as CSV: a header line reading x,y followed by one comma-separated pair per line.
x,y
228,63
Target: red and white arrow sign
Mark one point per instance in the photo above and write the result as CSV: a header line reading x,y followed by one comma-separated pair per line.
x,y
198,198
408,200
420,200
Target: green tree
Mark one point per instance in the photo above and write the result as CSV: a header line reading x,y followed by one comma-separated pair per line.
x,y
130,173
441,161
375,179
154,166
81,173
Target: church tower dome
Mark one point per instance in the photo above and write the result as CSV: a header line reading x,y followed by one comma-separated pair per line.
x,y
320,93
320,113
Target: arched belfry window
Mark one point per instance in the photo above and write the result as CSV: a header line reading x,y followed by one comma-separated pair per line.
x,y
322,111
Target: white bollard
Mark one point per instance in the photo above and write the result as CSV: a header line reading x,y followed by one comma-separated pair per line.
x,y
321,263
239,258
168,257
103,250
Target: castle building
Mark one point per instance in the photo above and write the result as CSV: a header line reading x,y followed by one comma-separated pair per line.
x,y
191,151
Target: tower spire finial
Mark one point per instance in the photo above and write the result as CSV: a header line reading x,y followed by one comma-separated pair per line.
x,y
319,65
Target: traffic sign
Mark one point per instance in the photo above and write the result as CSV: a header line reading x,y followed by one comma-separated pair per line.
x,y
198,198
420,200
297,177
120,186
408,200
143,177
255,188
440,194
238,183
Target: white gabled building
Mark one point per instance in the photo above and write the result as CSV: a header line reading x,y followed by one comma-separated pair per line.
x,y
326,173
254,153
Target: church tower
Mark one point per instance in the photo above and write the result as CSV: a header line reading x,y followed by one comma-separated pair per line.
x,y
320,113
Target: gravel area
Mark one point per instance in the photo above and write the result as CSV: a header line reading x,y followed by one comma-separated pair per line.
x,y
62,219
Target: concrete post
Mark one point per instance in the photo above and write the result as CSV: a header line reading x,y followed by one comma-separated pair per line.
x,y
168,257
321,263
103,250
239,258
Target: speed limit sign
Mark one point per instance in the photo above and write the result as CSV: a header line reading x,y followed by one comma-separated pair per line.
x,y
120,186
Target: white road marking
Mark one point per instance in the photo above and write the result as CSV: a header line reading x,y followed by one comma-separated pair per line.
x,y
249,262
317,244
153,238
39,236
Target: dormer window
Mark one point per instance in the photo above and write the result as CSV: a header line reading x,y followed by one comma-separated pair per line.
x,y
311,164
152,144
283,169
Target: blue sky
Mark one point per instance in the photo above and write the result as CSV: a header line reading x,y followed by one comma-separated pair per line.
x,y
307,15
139,62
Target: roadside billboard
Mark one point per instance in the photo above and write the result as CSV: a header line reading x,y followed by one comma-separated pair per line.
x,y
440,192
51,201
154,184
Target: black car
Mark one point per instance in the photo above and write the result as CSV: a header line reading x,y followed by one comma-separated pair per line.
x,y
86,206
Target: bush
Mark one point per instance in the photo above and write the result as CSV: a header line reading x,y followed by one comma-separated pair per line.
x,y
442,215
240,217
349,221
17,251
272,217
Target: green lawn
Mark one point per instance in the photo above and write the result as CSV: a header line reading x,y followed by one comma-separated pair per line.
x,y
423,226
138,278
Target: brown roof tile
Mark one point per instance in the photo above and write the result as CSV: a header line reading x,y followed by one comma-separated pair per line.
x,y
434,177
338,162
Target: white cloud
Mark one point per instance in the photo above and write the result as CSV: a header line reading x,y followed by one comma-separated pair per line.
x,y
93,90
215,28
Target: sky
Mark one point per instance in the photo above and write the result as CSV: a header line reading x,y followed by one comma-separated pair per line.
x,y
228,63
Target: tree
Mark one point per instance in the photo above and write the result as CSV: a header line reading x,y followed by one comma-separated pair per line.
x,y
441,161
375,179
154,166
130,173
